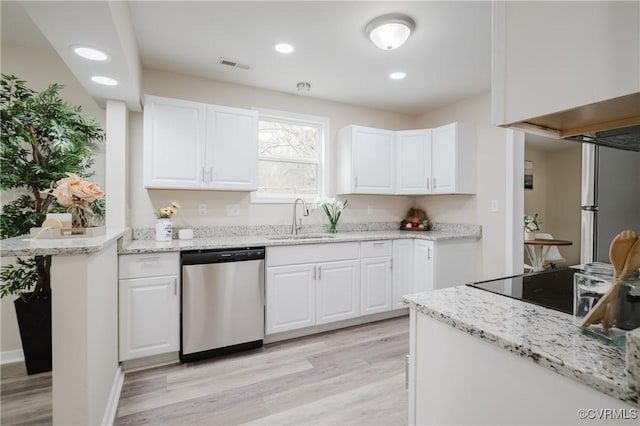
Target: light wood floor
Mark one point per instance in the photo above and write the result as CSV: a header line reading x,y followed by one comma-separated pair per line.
x,y
353,376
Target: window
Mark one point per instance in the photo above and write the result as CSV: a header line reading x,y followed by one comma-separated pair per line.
x,y
292,152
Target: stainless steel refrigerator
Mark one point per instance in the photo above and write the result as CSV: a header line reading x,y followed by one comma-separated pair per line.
x,y
610,198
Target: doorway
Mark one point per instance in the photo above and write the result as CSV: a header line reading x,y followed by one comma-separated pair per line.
x,y
552,189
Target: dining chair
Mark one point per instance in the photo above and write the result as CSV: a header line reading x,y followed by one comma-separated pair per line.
x,y
553,255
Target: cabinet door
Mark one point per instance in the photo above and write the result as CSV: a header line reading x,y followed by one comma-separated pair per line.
x,y
402,270
232,148
149,316
337,291
443,159
373,161
174,143
376,284
423,266
290,297
413,162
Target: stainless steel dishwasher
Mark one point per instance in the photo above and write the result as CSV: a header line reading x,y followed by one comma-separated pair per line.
x,y
222,302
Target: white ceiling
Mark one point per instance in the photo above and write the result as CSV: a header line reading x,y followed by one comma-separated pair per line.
x,y
447,58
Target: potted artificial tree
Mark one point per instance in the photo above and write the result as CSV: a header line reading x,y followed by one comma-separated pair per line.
x,y
43,140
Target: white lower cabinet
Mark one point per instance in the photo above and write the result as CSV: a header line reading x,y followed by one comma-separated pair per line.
x,y
290,298
149,305
337,291
403,272
423,265
377,280
308,285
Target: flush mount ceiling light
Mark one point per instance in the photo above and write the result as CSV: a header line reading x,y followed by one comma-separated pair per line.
x,y
303,86
397,75
390,31
90,53
106,81
283,48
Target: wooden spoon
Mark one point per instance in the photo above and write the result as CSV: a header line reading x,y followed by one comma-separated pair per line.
x,y
618,251
631,264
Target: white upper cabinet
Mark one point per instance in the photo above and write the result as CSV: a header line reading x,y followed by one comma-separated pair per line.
x,y
190,145
550,57
413,161
365,161
424,161
453,159
174,143
232,148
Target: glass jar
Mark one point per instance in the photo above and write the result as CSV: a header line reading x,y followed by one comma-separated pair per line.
x,y
591,284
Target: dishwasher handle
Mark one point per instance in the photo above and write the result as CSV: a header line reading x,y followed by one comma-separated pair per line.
x,y
200,257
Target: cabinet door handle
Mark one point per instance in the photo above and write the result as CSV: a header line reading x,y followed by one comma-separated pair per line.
x,y
428,183
148,258
315,272
319,273
380,243
211,175
429,253
356,181
435,183
175,286
391,264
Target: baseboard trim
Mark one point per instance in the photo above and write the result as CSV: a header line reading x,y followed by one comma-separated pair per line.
x,y
8,357
292,334
111,409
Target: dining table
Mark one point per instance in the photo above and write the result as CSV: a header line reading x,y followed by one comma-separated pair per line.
x,y
538,249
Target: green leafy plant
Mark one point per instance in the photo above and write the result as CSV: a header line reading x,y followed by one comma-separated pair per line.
x,y
333,209
43,139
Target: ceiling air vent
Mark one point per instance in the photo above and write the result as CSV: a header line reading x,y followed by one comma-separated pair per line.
x,y
234,64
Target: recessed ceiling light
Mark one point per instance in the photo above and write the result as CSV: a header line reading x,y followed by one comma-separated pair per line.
x,y
397,75
104,80
90,53
283,48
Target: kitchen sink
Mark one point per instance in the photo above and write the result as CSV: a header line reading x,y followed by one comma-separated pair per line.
x,y
299,237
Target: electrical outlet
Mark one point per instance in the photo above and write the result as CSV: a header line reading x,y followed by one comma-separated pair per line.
x,y
369,210
202,209
233,210
495,206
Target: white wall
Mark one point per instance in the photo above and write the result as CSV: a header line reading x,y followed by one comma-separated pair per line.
x,y
491,182
40,68
145,202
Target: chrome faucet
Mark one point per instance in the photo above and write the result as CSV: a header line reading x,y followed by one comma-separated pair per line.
x,y
305,212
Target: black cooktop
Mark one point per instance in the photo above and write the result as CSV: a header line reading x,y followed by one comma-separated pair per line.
x,y
552,289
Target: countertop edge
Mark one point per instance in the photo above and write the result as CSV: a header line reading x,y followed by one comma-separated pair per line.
x,y
24,246
151,246
622,391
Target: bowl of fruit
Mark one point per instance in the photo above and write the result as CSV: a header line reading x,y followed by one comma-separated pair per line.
x,y
416,221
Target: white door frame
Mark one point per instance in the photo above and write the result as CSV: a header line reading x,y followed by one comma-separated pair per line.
x,y
514,203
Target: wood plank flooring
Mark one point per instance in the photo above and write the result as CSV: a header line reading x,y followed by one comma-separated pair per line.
x,y
353,376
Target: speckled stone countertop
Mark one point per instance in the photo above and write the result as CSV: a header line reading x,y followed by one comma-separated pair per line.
x,y
230,241
25,246
545,336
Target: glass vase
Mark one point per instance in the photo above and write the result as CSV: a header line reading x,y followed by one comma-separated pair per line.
x,y
333,227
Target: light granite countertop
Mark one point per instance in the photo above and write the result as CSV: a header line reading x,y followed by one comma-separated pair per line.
x,y
25,246
544,336
231,241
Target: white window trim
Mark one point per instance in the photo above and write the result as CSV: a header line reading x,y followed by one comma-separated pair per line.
x,y
324,170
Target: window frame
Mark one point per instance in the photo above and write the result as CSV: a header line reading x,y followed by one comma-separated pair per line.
x,y
323,157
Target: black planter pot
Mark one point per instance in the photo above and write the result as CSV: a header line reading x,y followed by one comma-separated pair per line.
x,y
34,322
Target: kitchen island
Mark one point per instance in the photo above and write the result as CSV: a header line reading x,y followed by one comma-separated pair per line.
x,y
481,358
86,377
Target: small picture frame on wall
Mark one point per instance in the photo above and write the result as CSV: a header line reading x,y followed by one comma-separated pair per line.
x,y
528,174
